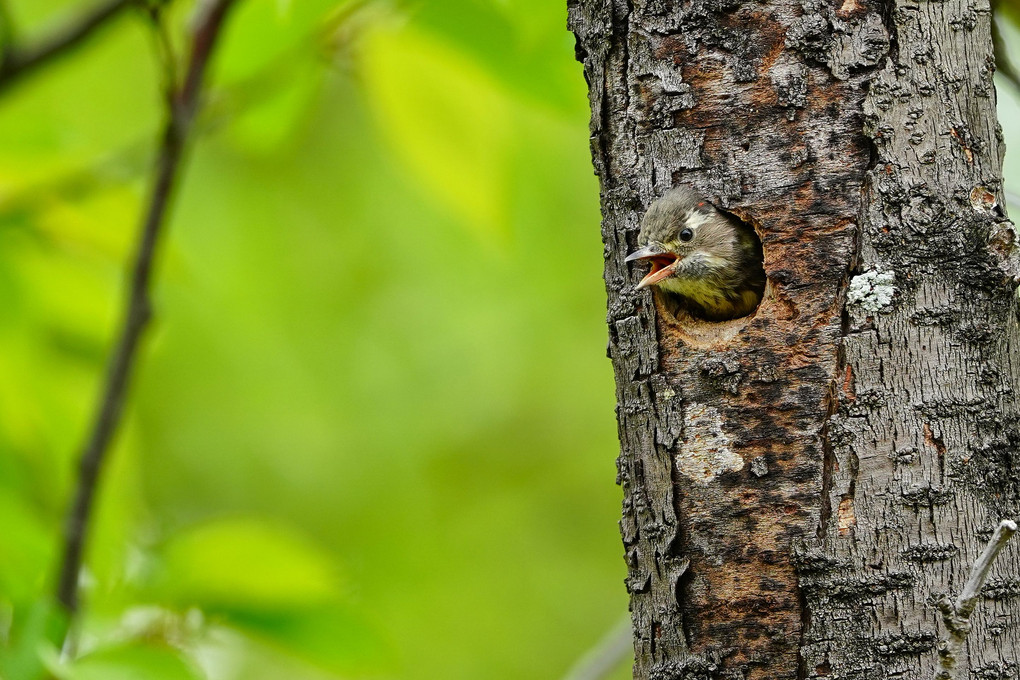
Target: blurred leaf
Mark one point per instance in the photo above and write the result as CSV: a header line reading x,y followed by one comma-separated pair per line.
x,y
522,43
272,106
28,643
138,661
334,638
447,119
26,549
265,32
271,585
101,222
243,565
71,324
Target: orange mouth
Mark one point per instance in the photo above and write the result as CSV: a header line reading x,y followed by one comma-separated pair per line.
x,y
662,266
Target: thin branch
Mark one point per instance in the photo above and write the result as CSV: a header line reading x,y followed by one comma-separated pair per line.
x,y
137,312
232,100
164,48
16,61
608,653
957,615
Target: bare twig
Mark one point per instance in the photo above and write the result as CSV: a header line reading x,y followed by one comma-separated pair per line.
x,y
125,163
602,659
165,52
137,311
16,61
957,615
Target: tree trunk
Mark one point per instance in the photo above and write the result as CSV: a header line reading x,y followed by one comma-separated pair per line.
x,y
800,485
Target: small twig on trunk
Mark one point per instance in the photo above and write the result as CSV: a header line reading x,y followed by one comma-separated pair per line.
x,y
183,106
602,659
957,615
16,60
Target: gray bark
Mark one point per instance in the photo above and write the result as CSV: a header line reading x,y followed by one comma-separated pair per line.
x,y
802,485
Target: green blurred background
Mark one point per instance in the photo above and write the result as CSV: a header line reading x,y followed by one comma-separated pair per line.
x,y
372,432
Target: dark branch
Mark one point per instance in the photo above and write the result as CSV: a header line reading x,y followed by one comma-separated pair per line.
x,y
183,106
17,61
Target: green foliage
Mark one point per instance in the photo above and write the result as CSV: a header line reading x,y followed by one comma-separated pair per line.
x,y
229,565
131,662
372,432
448,119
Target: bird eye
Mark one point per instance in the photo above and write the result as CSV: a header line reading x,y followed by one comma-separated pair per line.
x,y
686,235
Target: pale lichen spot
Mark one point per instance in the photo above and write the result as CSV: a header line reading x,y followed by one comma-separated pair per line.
x,y
759,467
705,452
872,291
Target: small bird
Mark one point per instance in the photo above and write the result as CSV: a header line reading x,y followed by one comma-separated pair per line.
x,y
710,260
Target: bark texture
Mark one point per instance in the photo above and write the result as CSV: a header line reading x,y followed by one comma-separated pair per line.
x,y
800,485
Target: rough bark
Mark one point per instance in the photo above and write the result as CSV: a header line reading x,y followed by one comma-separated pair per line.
x,y
801,484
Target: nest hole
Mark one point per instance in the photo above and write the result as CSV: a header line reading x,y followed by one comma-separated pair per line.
x,y
697,329
703,334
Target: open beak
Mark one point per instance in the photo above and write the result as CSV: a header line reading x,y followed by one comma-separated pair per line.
x,y
662,263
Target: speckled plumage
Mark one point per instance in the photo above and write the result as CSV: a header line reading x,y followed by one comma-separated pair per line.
x,y
718,272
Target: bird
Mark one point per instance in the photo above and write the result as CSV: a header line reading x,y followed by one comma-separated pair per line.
x,y
710,260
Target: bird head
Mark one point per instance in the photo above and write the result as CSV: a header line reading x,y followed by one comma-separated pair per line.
x,y
684,236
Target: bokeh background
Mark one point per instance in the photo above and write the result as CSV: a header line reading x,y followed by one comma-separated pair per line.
x,y
371,434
